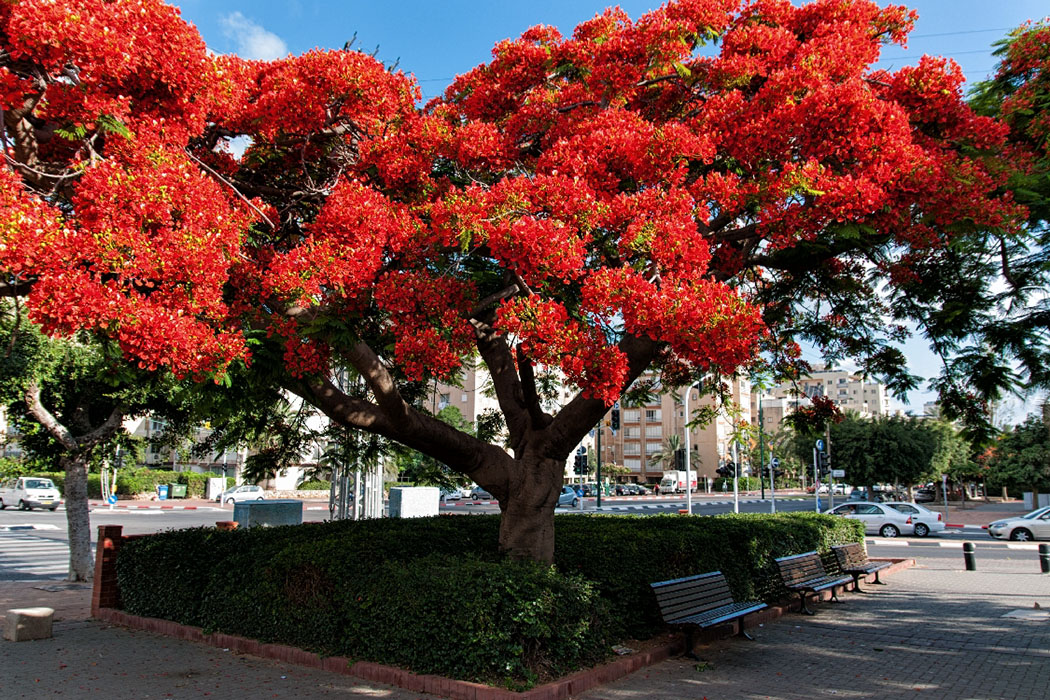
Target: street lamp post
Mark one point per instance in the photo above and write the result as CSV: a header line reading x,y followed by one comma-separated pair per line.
x,y
688,460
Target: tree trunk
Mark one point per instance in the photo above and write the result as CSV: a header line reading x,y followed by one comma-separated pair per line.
x,y
526,529
81,563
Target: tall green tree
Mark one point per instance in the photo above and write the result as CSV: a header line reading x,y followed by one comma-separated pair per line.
x,y
1021,458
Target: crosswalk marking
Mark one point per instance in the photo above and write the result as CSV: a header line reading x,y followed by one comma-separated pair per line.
x,y
22,554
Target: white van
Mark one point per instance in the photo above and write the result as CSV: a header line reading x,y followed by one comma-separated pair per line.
x,y
29,492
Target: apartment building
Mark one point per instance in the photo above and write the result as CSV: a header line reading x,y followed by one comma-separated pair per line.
x,y
849,390
644,431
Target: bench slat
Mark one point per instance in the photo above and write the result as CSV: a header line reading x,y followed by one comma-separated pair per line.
x,y
703,600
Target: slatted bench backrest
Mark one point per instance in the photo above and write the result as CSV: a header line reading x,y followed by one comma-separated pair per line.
x,y
850,555
800,568
692,595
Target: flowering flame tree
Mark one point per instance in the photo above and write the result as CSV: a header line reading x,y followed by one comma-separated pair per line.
x,y
663,194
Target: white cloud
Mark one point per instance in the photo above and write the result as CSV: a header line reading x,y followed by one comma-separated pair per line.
x,y
253,42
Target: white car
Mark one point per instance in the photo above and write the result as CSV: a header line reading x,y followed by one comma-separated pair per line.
x,y
878,518
244,492
1030,526
924,520
29,492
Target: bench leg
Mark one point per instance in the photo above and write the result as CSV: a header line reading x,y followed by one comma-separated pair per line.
x,y
877,581
856,584
689,644
834,596
803,608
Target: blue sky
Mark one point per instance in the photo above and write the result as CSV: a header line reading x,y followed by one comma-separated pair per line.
x,y
437,40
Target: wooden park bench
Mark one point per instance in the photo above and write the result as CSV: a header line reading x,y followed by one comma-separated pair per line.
x,y
701,601
804,574
854,560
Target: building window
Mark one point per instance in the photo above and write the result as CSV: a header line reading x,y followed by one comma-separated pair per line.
x,y
632,432
652,414
463,398
632,448
654,431
635,465
443,401
631,415
652,447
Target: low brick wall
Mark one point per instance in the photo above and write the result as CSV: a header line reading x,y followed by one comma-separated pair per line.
x,y
105,605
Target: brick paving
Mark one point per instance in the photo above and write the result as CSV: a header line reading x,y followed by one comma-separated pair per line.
x,y
934,632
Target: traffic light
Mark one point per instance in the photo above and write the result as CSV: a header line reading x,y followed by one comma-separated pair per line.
x,y
616,418
581,463
679,458
727,470
823,463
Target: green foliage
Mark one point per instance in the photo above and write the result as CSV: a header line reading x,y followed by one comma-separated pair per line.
x,y
1021,459
744,483
375,589
315,485
897,449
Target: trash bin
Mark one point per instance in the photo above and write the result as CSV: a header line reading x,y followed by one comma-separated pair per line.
x,y
162,492
176,490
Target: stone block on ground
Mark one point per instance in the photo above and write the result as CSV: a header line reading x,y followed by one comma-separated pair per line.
x,y
24,624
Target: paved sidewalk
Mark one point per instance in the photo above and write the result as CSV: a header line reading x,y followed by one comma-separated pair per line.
x,y
930,632
933,631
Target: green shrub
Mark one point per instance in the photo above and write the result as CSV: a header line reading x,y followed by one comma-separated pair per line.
x,y
315,485
433,594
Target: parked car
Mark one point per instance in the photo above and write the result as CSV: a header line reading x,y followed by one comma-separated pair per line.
x,y
244,492
880,495
450,495
878,518
1030,526
29,492
925,495
622,489
568,497
477,493
923,519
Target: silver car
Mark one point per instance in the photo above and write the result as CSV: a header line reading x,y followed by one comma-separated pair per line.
x,y
568,497
924,521
244,492
1023,528
878,518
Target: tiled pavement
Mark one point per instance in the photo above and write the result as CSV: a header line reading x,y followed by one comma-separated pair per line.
x,y
938,633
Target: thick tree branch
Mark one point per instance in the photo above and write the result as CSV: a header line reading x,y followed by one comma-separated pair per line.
x,y
379,381
497,355
540,419
60,432
417,430
573,422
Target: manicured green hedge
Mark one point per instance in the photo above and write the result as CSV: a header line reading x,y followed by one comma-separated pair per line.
x,y
434,596
140,481
315,485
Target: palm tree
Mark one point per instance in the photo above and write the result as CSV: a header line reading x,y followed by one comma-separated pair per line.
x,y
665,457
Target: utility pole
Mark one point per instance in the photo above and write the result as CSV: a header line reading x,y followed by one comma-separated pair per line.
x,y
598,472
761,454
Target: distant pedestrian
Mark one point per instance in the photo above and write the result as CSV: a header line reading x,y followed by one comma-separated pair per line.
x,y
656,489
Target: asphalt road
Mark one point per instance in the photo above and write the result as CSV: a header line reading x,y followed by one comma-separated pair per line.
x,y
33,544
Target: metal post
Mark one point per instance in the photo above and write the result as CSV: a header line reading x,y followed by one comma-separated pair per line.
x,y
816,483
761,454
1044,558
688,464
831,467
598,472
736,478
969,557
772,488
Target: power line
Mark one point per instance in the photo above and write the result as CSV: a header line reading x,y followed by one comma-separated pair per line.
x,y
967,31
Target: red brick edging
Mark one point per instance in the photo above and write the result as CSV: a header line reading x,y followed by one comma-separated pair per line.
x,y
105,601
